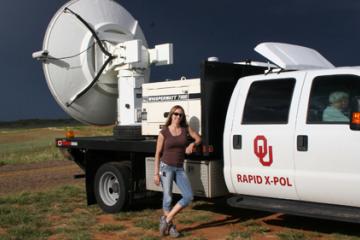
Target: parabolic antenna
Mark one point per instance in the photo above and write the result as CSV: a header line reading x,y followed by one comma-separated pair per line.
x,y
72,57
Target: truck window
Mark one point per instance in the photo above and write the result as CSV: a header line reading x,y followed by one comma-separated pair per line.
x,y
329,99
268,102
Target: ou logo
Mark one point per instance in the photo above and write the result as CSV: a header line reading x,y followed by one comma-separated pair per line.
x,y
261,150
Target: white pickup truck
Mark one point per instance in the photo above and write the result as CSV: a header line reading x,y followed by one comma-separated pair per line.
x,y
283,138
278,136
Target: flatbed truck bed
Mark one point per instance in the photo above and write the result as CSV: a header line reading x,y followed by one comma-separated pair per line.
x,y
108,143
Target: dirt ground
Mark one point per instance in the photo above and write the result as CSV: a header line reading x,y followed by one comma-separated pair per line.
x,y
37,176
40,176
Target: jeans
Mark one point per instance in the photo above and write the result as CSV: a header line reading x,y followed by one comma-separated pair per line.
x,y
169,174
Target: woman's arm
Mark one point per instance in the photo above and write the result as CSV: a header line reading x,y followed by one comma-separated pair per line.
x,y
196,137
159,147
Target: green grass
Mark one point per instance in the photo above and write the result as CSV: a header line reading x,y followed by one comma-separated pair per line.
x,y
342,237
199,238
27,142
28,215
33,148
75,235
292,235
258,229
62,213
188,217
255,227
134,214
31,155
150,238
146,223
23,223
111,228
191,219
28,146
251,228
239,235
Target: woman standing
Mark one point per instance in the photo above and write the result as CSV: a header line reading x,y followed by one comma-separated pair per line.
x,y
171,147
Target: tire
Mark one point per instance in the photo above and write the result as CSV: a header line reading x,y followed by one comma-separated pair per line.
x,y
112,187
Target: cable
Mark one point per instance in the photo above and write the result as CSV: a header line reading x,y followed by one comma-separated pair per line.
x,y
75,55
72,56
91,30
68,104
108,60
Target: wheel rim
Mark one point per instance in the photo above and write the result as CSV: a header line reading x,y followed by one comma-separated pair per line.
x,y
109,188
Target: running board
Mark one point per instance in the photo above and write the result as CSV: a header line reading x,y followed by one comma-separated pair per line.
x,y
306,209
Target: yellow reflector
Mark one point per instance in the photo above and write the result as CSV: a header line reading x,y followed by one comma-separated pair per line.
x,y
70,134
355,118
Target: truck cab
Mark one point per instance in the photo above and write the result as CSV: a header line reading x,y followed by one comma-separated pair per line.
x,y
279,142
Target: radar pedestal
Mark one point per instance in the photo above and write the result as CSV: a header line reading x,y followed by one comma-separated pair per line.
x,y
131,62
130,97
129,104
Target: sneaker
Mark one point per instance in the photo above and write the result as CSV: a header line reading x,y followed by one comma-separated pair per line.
x,y
163,226
173,232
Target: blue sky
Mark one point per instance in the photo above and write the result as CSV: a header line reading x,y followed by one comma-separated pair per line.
x,y
228,29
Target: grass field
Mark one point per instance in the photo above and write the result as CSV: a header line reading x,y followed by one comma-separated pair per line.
x,y
60,212
34,141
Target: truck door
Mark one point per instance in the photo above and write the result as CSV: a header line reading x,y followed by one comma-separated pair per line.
x,y
326,158
262,135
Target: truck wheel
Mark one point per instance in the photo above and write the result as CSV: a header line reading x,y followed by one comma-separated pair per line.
x,y
111,187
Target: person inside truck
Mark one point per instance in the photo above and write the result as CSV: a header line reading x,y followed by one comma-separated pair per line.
x,y
169,158
335,112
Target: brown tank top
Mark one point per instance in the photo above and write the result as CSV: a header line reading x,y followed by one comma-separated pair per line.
x,y
173,153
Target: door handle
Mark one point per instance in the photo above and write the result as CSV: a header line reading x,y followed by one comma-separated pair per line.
x,y
237,141
302,143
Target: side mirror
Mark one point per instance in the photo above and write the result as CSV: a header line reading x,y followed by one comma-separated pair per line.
x,y
355,113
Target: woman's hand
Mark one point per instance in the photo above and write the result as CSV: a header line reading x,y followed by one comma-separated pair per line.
x,y
157,179
189,149
159,147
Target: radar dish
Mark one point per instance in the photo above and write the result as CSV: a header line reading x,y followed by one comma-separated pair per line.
x,y
74,59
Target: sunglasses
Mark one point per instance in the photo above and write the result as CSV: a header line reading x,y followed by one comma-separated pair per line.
x,y
178,114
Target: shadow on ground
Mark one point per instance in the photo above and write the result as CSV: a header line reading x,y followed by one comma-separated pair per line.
x,y
317,225
238,215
